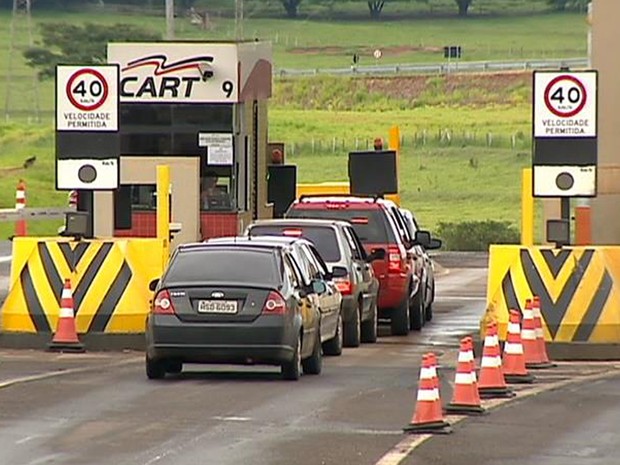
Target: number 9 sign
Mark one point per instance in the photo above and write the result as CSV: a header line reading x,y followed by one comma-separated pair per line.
x,y
87,89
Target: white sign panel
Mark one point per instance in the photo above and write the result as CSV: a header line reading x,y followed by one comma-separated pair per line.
x,y
176,72
87,174
219,147
564,181
565,104
87,98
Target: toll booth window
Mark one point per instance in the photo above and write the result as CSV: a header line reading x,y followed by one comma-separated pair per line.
x,y
217,192
170,129
143,197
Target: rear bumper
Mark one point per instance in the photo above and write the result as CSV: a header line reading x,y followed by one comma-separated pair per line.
x,y
392,291
267,340
234,355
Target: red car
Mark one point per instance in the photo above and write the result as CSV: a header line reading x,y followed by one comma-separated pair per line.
x,y
374,222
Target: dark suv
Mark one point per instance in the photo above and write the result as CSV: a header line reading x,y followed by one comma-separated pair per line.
x,y
342,251
376,226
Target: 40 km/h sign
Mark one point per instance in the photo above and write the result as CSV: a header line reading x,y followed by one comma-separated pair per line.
x,y
565,104
87,98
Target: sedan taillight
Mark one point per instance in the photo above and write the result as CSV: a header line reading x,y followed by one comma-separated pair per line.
x,y
396,261
275,304
343,285
162,304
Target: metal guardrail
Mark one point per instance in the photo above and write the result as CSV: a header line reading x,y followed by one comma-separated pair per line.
x,y
12,214
442,68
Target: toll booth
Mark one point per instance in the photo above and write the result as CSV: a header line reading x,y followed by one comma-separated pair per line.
x,y
201,109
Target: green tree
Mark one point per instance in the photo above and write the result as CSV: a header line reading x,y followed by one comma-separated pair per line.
x,y
291,7
564,5
463,6
375,7
64,43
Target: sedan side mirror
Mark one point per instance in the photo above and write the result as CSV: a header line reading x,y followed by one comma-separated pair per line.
x,y
153,284
423,238
319,287
376,254
340,272
435,244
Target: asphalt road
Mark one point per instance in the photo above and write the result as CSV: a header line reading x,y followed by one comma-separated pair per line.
x,y
111,414
577,425
99,408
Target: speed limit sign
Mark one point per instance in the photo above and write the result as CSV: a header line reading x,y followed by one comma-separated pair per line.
x,y
87,98
565,104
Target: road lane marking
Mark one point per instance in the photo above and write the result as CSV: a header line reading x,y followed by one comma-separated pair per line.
x,y
68,371
6,259
26,439
407,445
232,418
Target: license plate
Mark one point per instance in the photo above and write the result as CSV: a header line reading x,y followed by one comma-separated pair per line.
x,y
217,306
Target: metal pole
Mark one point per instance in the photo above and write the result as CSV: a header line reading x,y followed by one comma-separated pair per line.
x,y
565,213
239,19
170,19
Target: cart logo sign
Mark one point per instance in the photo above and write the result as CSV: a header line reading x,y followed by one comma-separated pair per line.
x,y
176,72
87,98
169,85
565,104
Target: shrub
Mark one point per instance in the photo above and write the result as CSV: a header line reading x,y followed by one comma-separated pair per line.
x,y
476,235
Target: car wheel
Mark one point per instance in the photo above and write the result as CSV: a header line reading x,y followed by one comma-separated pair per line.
x,y
174,367
352,330
400,319
155,369
416,312
292,370
313,364
334,345
369,327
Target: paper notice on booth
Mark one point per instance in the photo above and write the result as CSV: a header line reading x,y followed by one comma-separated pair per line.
x,y
219,147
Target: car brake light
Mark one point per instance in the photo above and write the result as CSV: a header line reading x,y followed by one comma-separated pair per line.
x,y
275,304
359,220
162,304
343,285
336,206
395,260
292,232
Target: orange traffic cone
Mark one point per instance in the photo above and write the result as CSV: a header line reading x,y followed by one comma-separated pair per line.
x,y
66,339
465,399
540,335
514,360
21,228
531,347
492,384
428,416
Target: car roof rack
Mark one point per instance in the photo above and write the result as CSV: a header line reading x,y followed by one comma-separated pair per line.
x,y
375,197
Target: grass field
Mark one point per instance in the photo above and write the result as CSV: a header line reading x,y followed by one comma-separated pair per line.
x,y
312,43
465,137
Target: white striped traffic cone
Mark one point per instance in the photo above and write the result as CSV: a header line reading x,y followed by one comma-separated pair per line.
x,y
66,338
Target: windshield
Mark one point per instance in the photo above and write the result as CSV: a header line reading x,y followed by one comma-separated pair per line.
x,y
324,239
370,225
234,265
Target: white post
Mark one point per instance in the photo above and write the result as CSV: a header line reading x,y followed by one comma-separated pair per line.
x,y
170,19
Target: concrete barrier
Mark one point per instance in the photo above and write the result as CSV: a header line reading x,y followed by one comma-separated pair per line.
x,y
110,280
579,289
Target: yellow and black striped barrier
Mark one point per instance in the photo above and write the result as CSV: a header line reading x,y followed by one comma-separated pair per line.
x,y
109,279
579,290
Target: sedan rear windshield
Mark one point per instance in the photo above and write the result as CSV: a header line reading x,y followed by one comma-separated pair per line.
x,y
369,224
324,239
236,266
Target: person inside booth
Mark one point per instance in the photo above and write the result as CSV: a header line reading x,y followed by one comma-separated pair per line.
x,y
214,195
